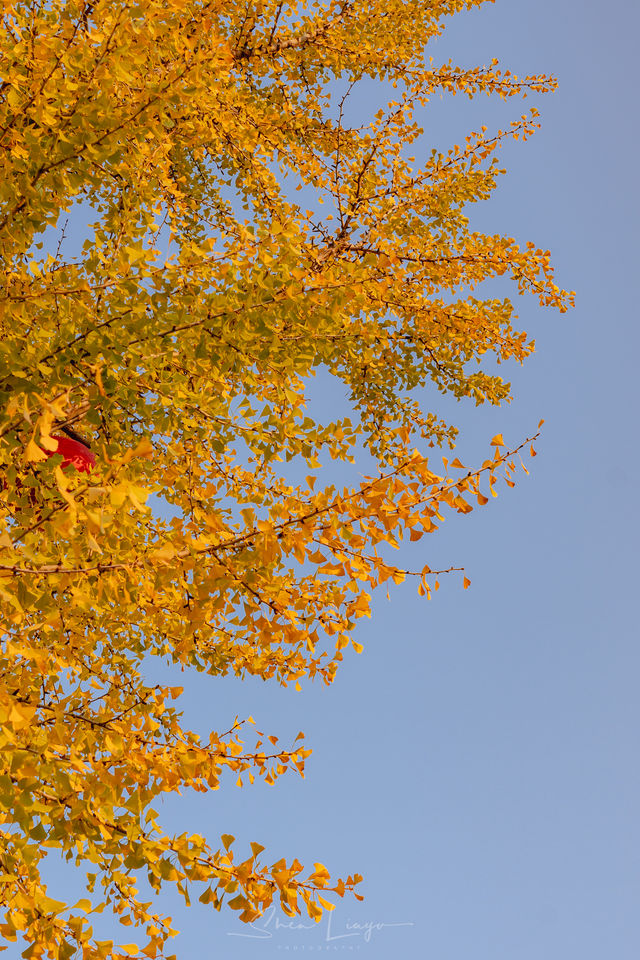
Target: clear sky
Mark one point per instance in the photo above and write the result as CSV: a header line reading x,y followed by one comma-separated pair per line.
x,y
478,762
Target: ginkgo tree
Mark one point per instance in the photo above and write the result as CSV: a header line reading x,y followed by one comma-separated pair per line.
x,y
243,238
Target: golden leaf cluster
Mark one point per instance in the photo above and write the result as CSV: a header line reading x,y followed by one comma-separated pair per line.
x,y
243,238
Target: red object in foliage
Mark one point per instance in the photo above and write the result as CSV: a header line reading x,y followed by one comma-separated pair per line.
x,y
74,454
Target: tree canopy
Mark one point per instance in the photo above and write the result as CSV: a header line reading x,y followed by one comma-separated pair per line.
x,y
244,237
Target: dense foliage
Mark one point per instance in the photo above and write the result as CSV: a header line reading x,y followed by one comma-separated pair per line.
x,y
179,340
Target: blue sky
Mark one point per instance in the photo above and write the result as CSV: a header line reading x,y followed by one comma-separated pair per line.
x,y
478,762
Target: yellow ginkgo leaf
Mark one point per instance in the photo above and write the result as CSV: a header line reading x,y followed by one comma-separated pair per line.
x,y
33,453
